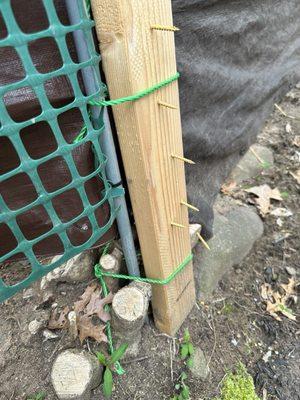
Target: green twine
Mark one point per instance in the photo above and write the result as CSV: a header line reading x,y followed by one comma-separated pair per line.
x,y
136,96
121,100
100,274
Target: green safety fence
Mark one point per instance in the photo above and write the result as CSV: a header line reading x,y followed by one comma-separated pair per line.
x,y
9,128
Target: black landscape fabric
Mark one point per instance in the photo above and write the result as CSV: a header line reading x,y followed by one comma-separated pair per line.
x,y
236,59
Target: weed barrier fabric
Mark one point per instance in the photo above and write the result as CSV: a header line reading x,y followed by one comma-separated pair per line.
x,y
236,58
54,195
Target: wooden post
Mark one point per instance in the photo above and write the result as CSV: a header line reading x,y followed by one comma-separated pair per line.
x,y
135,56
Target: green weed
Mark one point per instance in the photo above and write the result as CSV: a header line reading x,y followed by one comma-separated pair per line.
x,y
182,388
38,396
109,364
187,349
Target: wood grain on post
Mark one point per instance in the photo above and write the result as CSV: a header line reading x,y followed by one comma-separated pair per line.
x,y
134,58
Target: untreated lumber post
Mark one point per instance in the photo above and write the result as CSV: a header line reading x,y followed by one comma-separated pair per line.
x,y
137,47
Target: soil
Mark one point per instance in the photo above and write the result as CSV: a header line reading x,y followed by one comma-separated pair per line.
x,y
234,326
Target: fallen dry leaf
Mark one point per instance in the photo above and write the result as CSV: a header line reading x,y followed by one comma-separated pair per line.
x,y
276,302
264,195
90,305
296,175
228,187
96,305
88,329
84,298
290,288
58,320
296,141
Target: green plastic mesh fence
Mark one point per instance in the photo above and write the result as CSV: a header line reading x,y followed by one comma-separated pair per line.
x,y
10,130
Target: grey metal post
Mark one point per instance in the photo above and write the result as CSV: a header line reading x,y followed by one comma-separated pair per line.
x,y
107,143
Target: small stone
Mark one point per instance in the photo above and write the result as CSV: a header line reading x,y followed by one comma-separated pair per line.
x,y
200,368
35,326
40,321
74,374
234,235
291,271
267,356
49,335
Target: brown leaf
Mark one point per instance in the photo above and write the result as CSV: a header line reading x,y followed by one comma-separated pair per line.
x,y
58,320
96,305
296,175
264,195
290,288
228,187
276,302
80,305
88,329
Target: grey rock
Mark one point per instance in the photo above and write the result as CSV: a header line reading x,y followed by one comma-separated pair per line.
x,y
77,269
74,374
249,166
40,321
235,232
200,368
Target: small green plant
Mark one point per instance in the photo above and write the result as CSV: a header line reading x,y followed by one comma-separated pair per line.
x,y
227,309
187,349
238,386
109,364
284,195
38,396
182,388
266,165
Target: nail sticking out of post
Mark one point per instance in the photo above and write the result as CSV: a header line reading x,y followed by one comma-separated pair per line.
x,y
159,27
188,161
188,205
163,104
177,225
203,241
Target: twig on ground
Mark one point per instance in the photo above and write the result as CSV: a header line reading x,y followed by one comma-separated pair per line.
x,y
259,159
13,394
249,311
171,362
284,113
215,343
134,360
57,346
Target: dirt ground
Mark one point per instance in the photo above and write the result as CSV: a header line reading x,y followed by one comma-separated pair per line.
x,y
233,327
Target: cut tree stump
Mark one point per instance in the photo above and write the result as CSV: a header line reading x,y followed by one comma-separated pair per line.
x,y
129,310
112,263
135,56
